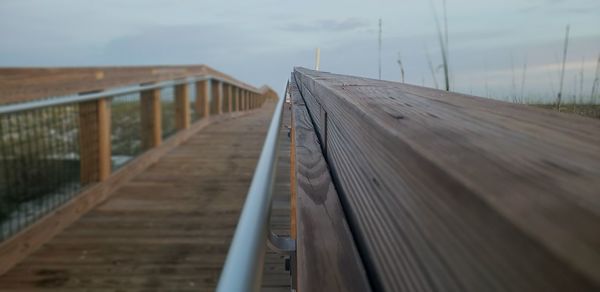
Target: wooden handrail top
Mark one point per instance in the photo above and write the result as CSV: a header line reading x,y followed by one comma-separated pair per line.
x,y
450,192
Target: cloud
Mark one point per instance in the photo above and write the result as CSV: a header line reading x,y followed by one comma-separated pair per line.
x,y
347,24
589,7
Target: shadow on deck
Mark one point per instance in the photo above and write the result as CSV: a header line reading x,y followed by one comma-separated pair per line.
x,y
169,228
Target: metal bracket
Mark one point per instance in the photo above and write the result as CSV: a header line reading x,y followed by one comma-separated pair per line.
x,y
281,244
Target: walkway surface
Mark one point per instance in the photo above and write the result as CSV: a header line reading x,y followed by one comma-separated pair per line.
x,y
169,228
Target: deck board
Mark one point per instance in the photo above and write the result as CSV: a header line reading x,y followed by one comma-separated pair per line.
x,y
168,229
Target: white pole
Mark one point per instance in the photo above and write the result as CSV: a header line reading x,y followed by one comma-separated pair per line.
x,y
380,49
317,59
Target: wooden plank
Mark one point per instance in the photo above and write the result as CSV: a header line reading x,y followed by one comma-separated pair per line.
x,y
150,116
94,141
23,84
457,193
182,108
327,258
21,245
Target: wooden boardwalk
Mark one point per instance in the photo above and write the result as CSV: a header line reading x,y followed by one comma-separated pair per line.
x,y
169,228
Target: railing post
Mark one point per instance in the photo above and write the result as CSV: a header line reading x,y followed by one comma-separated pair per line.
x,y
229,97
243,100
238,93
94,140
234,92
150,118
182,109
202,98
242,95
220,99
214,96
246,97
223,97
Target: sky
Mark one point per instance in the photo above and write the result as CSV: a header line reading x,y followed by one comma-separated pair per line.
x,y
490,42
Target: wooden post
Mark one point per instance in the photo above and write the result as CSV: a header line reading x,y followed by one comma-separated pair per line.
x,y
234,92
246,97
150,118
249,100
223,97
238,98
229,97
182,109
220,99
202,98
214,96
94,140
242,99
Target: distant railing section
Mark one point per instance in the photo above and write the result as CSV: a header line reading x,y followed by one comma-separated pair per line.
x,y
51,149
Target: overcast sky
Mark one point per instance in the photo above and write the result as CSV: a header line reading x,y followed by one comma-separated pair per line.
x,y
261,41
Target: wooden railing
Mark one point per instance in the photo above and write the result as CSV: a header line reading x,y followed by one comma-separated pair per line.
x,y
80,129
406,188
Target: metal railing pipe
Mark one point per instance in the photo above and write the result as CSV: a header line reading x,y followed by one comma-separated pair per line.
x,y
70,99
244,265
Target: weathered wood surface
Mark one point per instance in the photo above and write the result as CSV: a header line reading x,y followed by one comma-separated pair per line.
x,y
167,229
22,84
448,192
327,256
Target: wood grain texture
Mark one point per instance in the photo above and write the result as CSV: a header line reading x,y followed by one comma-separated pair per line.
x,y
166,229
327,258
448,192
23,84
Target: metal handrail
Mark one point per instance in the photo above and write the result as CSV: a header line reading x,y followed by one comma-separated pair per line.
x,y
70,99
244,265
